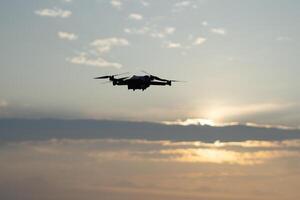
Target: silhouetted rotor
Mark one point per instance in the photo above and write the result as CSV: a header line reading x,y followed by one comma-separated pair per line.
x,y
102,77
111,76
160,79
177,81
152,77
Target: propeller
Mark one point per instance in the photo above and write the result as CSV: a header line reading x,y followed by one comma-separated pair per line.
x,y
177,81
110,76
161,79
102,77
154,77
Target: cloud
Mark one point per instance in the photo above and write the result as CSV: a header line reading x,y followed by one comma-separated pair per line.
x,y
151,31
94,57
132,130
251,124
67,36
106,44
219,31
145,3
135,16
209,122
140,31
204,23
237,153
220,156
247,145
188,122
55,12
169,30
199,40
182,4
116,4
163,33
136,169
84,59
172,45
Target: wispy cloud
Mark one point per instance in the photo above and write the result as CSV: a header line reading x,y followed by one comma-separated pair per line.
x,y
106,44
85,59
210,122
220,156
135,16
192,121
220,31
237,153
151,31
173,45
137,31
94,57
181,5
67,36
55,12
199,40
116,4
204,23
145,3
163,33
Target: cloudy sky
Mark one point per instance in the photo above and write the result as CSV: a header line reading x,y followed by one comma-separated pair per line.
x,y
241,63
138,169
240,59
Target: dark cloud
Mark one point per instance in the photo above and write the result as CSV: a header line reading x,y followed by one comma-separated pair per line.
x,y
43,129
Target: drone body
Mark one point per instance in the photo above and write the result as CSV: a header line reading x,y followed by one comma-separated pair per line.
x,y
138,82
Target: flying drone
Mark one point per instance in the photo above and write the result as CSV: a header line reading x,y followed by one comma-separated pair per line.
x,y
136,82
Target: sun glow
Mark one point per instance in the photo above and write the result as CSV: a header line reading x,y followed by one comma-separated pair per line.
x,y
192,121
199,121
220,112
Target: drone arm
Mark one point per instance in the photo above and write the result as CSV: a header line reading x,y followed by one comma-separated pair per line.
x,y
158,79
159,83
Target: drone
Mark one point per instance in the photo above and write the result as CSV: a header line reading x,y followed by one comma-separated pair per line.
x,y
136,82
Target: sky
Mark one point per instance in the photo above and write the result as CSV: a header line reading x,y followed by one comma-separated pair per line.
x,y
240,60
231,131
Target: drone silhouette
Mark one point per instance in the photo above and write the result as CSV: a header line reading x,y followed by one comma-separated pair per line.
x,y
138,82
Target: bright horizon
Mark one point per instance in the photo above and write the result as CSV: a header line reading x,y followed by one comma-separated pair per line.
x,y
239,68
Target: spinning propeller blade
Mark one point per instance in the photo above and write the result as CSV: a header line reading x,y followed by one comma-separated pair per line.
x,y
161,79
177,81
110,76
102,77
